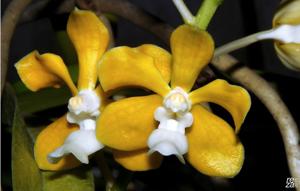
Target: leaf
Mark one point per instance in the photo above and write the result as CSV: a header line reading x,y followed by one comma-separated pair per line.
x,y
26,176
25,173
31,102
79,179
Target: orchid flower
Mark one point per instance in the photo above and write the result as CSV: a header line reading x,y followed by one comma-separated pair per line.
x,y
289,16
142,129
69,140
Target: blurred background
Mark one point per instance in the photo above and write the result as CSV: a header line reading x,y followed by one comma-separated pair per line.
x,y
265,166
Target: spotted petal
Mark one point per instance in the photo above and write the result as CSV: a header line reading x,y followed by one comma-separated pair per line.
x,y
90,38
192,50
234,99
51,138
124,66
138,160
41,71
126,124
214,148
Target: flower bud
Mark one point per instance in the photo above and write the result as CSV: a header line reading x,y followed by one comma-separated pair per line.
x,y
288,14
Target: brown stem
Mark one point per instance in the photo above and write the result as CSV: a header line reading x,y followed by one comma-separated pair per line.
x,y
134,14
37,9
8,25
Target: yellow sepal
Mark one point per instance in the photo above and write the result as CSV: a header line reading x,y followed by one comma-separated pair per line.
x,y
125,67
41,71
126,124
192,50
162,59
214,148
138,160
50,139
90,38
234,99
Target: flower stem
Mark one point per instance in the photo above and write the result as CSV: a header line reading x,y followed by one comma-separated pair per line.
x,y
184,11
240,43
206,12
105,171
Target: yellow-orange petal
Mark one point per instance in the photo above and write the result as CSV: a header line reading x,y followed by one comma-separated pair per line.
x,y
124,66
41,71
214,148
192,50
103,97
90,38
50,139
162,59
234,99
138,160
126,124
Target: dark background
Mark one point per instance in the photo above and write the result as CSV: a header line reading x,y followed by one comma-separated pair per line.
x,y
265,166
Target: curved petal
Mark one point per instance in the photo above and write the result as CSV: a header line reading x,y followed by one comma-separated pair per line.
x,y
288,14
81,144
162,59
126,124
289,54
233,98
124,66
103,97
51,138
213,146
41,71
90,38
192,50
138,160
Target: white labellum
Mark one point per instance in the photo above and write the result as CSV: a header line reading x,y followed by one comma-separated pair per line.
x,y
83,111
174,117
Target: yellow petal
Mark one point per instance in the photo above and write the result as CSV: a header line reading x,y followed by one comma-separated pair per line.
x,y
103,97
288,14
50,139
289,54
41,71
90,38
192,50
126,124
214,148
234,99
124,66
138,160
162,59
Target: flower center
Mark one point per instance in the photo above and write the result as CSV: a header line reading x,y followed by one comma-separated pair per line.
x,y
174,116
84,109
177,101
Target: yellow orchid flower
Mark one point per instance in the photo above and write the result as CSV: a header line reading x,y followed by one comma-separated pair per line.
x,y
73,133
185,128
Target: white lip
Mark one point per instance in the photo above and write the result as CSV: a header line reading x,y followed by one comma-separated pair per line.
x,y
174,116
83,111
